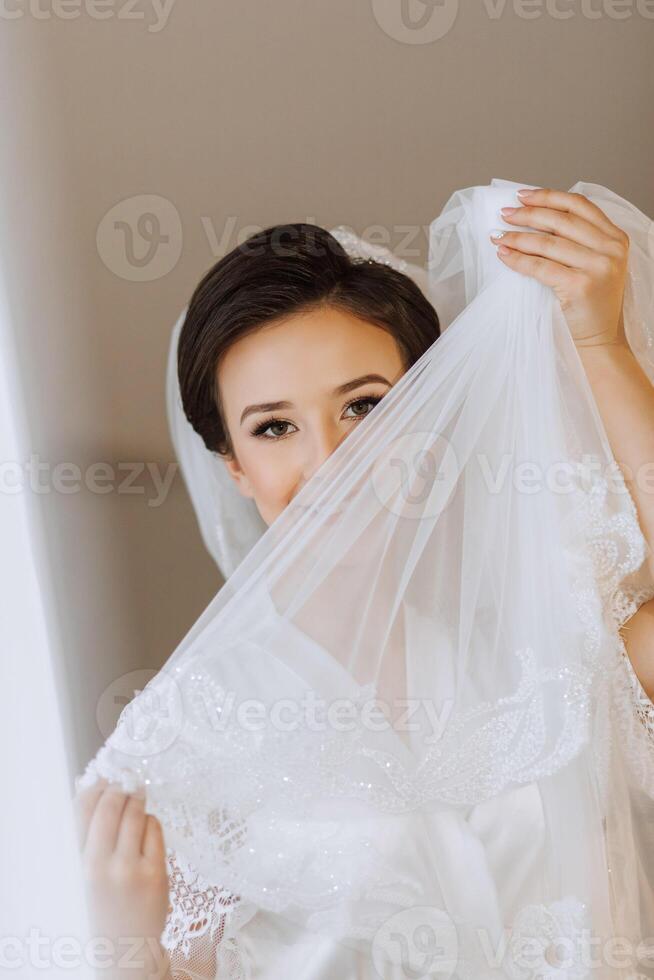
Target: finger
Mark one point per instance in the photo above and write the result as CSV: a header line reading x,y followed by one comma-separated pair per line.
x,y
553,247
544,270
105,822
563,224
84,803
154,845
132,828
574,203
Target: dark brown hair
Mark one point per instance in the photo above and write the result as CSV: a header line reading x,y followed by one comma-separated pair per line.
x,y
278,273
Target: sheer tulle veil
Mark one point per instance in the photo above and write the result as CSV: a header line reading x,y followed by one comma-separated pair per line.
x,y
426,636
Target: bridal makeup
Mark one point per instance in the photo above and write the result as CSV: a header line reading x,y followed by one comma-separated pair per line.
x,y
292,391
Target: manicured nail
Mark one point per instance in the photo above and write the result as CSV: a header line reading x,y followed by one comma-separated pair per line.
x,y
503,250
505,212
497,234
524,192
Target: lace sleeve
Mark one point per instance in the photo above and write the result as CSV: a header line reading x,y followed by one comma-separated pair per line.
x,y
201,931
635,709
627,602
634,591
624,583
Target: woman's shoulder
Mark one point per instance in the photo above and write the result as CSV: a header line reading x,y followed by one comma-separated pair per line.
x,y
637,635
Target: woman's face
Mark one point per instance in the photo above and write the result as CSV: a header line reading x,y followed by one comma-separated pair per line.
x,y
292,391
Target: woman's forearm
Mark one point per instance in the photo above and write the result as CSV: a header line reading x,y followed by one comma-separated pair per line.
x,y
625,399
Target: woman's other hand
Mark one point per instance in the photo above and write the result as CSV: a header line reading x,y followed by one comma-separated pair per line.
x,y
124,864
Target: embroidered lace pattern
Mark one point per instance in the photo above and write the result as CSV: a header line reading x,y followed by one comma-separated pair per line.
x,y
201,926
484,750
618,550
634,709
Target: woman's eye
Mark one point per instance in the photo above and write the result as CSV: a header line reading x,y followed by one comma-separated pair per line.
x,y
272,429
362,407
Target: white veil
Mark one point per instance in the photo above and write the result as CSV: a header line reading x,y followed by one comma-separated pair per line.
x,y
467,555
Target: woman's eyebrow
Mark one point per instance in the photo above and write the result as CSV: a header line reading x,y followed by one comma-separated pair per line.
x,y
264,407
341,390
357,382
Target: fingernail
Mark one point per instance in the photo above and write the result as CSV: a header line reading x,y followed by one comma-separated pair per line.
x,y
524,192
504,212
503,250
497,233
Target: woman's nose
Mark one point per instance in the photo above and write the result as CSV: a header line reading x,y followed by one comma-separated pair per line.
x,y
321,444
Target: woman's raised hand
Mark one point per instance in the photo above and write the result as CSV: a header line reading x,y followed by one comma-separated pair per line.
x,y
124,864
577,251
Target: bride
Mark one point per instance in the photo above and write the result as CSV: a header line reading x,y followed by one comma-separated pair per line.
x,y
288,345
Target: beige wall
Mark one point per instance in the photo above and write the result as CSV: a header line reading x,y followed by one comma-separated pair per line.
x,y
241,114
